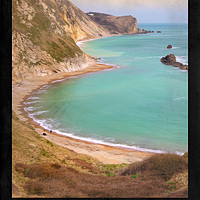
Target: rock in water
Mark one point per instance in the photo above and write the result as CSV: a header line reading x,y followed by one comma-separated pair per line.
x,y
171,60
169,46
158,31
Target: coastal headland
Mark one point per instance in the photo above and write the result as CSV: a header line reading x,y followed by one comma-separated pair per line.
x,y
44,50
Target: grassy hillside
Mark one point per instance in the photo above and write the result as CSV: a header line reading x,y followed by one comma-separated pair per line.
x,y
30,148
42,30
43,169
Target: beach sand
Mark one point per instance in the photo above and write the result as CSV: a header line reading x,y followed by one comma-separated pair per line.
x,y
105,154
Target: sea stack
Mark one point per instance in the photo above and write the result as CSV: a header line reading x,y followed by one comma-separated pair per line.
x,y
170,59
169,46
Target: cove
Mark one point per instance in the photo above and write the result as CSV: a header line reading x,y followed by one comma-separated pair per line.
x,y
141,105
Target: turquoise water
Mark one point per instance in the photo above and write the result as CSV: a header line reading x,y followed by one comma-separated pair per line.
x,y
143,104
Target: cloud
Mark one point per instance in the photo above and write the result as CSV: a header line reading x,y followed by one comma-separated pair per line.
x,y
135,3
144,10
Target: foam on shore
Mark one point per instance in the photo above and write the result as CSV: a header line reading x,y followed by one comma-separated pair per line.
x,y
182,59
44,123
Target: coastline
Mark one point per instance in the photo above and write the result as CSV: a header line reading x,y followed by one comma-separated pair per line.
x,y
104,153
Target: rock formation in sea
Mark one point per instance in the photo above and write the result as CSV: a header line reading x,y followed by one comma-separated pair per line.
x,y
169,46
158,31
170,59
45,32
143,31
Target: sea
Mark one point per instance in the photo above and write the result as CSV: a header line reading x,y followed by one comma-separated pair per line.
x,y
140,104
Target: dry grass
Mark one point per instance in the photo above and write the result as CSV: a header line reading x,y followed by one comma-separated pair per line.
x,y
183,193
180,180
28,148
160,165
55,180
46,180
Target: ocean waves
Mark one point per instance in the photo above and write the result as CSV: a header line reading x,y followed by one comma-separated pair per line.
x,y
179,99
182,59
51,124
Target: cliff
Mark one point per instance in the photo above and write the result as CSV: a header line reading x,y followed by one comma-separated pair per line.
x,y
44,33
42,38
115,24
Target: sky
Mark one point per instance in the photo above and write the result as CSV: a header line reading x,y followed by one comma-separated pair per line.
x,y
146,11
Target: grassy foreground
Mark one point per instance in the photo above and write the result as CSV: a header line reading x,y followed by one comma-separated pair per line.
x,y
43,169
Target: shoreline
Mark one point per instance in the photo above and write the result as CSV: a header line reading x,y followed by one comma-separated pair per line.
x,y
104,153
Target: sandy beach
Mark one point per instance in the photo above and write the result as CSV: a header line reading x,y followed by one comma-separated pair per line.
x,y
105,154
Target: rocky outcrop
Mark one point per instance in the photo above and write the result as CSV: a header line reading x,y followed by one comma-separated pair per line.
x,y
169,46
143,31
158,31
115,24
171,60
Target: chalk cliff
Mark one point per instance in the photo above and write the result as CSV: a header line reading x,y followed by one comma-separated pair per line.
x,y
44,33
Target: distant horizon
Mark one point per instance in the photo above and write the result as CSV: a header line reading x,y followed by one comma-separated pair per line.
x,y
146,11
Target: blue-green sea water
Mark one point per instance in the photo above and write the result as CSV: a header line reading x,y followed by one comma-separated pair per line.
x,y
142,104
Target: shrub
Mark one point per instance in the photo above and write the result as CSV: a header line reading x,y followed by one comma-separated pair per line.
x,y
56,165
109,174
183,193
159,165
20,167
134,176
35,187
55,181
37,171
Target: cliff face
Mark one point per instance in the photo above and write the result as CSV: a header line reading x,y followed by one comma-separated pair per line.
x,y
41,40
114,24
44,34
79,25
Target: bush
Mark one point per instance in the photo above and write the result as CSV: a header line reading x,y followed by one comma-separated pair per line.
x,y
56,166
38,171
134,176
35,187
159,165
56,181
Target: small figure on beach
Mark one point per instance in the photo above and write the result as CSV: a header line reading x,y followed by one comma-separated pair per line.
x,y
50,131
